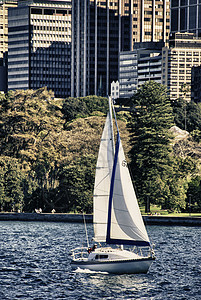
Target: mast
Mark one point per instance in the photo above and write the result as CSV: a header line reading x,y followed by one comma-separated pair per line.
x,y
111,123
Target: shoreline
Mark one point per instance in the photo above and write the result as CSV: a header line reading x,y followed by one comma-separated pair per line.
x,y
78,218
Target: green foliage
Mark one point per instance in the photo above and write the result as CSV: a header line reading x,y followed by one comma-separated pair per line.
x,y
187,114
30,129
76,184
156,171
193,201
83,107
49,151
27,118
11,184
196,134
42,152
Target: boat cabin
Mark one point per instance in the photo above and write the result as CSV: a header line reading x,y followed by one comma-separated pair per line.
x,y
111,254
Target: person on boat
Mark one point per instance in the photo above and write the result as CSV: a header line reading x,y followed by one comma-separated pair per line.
x,y
90,249
94,247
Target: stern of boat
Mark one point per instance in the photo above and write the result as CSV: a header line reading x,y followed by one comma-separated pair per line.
x,y
79,254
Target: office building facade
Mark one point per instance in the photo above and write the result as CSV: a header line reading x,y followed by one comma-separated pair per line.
x,y
39,46
149,65
128,74
186,16
4,6
150,21
137,67
100,29
184,52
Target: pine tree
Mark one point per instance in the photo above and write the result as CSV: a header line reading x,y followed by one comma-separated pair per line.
x,y
153,164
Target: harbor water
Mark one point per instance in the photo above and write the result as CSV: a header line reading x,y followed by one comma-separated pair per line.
x,y
35,264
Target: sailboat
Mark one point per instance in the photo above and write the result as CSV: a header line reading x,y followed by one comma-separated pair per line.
x,y
121,243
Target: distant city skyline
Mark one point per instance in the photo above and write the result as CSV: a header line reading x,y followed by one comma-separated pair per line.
x,y
73,47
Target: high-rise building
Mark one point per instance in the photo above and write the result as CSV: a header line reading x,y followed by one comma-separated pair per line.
x,y
183,53
100,29
186,16
150,21
39,46
4,5
149,65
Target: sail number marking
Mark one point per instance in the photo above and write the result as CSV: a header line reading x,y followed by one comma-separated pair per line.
x,y
124,163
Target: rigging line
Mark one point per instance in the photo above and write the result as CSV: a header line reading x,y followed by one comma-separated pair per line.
x,y
102,180
148,232
85,225
112,187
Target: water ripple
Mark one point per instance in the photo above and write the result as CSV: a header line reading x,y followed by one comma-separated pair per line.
x,y
35,264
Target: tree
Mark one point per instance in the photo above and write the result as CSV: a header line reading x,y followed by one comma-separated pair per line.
x,y
76,184
155,168
31,127
11,184
193,201
83,107
32,134
188,113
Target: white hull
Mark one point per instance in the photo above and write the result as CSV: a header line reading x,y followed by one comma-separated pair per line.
x,y
117,267
117,262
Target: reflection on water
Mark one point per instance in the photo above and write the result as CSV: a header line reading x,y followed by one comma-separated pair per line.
x,y
35,264
121,285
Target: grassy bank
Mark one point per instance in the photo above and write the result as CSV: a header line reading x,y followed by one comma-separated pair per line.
x,y
156,210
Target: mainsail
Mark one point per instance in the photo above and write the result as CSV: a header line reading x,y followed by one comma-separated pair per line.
x,y
125,224
117,217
